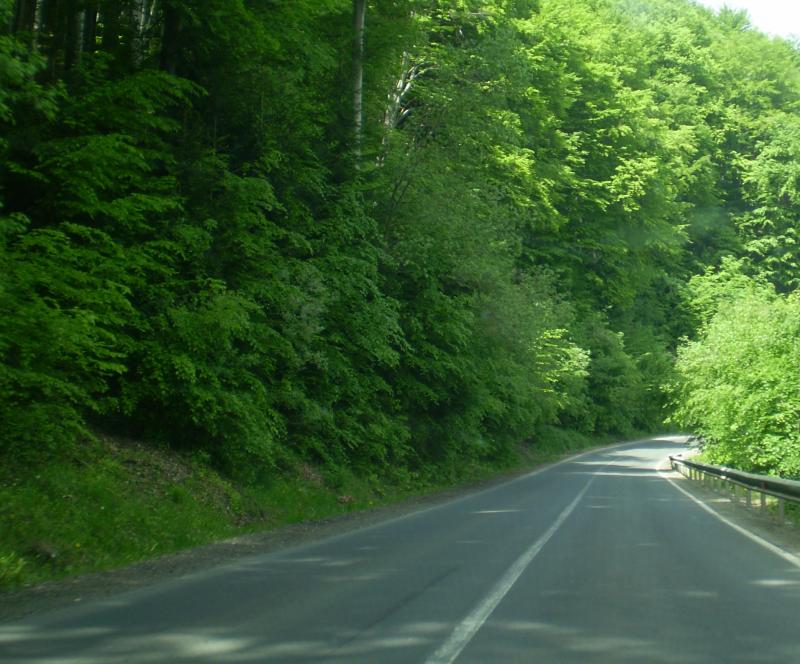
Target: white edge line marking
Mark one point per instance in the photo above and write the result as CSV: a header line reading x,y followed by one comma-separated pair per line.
x,y
789,557
467,628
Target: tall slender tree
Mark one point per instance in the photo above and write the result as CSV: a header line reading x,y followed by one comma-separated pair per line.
x,y
359,20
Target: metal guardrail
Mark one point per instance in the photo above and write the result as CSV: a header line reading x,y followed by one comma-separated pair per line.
x,y
764,485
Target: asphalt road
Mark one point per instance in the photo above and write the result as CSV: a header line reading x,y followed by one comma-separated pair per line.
x,y
596,559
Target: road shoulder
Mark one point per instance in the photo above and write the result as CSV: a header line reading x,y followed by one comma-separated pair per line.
x,y
762,524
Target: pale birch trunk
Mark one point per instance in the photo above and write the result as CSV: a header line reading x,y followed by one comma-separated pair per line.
x,y
359,18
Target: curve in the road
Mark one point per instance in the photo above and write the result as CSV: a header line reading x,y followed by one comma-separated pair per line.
x,y
599,558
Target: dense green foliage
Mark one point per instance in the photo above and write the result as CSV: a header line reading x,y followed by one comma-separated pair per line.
x,y
198,246
739,379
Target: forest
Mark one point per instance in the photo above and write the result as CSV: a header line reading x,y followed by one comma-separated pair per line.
x,y
393,237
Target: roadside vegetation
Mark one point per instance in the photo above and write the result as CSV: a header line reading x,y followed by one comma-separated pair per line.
x,y
261,239
740,378
122,502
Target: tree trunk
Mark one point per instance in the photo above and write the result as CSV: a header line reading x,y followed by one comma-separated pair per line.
x,y
396,110
169,39
110,18
134,15
90,28
359,17
148,17
24,16
73,24
51,34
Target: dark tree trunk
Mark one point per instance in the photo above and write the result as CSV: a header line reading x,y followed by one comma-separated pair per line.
x,y
170,37
51,34
73,24
90,28
110,19
24,16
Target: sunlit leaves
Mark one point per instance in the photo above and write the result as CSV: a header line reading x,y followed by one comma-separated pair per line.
x,y
739,384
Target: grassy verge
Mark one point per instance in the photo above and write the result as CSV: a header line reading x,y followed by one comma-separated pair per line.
x,y
124,501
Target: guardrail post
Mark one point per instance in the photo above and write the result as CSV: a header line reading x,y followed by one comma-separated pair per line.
x,y
731,483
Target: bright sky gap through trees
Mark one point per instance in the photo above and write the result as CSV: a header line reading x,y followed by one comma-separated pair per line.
x,y
775,17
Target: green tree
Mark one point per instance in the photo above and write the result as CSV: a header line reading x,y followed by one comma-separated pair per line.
x,y
738,379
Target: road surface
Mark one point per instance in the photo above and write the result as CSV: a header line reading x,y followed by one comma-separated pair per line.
x,y
596,559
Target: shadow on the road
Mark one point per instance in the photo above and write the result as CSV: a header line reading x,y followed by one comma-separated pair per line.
x,y
623,635
669,613
618,472
570,643
616,468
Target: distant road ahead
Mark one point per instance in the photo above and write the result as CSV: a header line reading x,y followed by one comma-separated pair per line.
x,y
597,559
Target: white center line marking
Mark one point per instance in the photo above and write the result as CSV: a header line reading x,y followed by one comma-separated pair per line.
x,y
468,627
